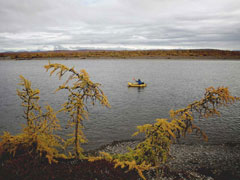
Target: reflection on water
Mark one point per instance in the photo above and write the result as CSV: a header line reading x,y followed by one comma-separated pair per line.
x,y
139,89
170,85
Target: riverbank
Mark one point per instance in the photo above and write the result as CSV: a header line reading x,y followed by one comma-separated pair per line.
x,y
208,58
187,162
124,54
193,162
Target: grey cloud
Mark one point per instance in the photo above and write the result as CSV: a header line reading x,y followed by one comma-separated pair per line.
x,y
62,24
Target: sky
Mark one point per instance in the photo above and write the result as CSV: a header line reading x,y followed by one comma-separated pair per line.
x,y
30,25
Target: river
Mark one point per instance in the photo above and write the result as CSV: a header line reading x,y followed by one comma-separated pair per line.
x,y
171,84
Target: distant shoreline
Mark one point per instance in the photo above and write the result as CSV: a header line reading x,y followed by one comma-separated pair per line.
x,y
128,58
191,54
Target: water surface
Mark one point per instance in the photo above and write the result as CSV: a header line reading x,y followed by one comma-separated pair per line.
x,y
172,84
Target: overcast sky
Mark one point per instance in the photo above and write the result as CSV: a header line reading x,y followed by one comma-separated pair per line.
x,y
119,24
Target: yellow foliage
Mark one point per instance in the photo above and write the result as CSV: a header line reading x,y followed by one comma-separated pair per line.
x,y
37,135
123,161
154,151
94,158
81,90
206,107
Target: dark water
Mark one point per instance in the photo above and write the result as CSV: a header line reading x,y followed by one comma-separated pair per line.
x,y
171,85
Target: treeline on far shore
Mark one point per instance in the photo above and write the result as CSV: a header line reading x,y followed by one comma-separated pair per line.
x,y
158,54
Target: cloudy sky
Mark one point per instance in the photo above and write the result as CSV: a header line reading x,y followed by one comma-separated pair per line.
x,y
119,24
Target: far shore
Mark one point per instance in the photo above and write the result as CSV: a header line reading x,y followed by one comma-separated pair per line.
x,y
173,54
192,58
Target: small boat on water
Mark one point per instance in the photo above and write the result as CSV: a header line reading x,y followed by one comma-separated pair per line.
x,y
136,85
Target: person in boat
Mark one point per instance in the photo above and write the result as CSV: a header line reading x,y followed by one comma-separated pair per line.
x,y
139,82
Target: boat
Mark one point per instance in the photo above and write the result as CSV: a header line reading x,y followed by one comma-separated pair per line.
x,y
136,85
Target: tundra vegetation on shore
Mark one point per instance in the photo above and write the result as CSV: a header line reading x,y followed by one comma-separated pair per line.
x,y
155,54
39,144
